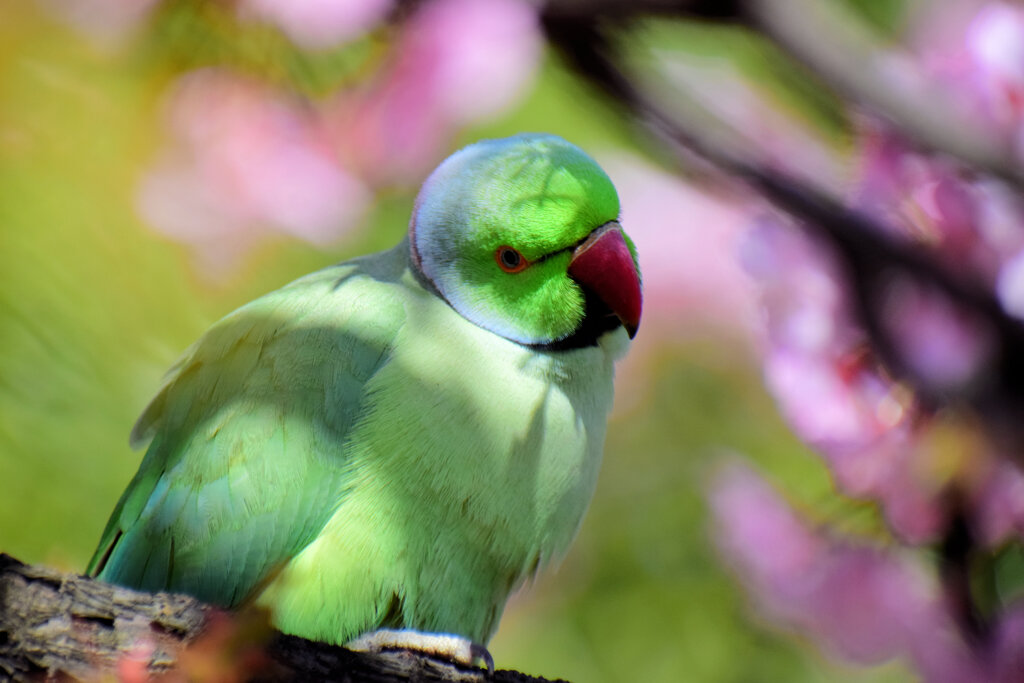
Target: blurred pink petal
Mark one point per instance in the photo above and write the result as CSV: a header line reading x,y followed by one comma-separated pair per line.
x,y
948,348
487,58
883,158
949,203
999,504
859,426
456,62
977,50
1008,650
824,409
319,24
867,604
800,288
810,351
1010,286
759,532
687,242
829,387
995,43
967,221
175,201
247,162
863,603
895,471
1000,217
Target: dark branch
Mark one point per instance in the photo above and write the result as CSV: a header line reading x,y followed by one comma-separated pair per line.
x,y
957,553
55,625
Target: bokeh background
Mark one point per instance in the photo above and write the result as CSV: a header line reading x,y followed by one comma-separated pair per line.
x,y
162,163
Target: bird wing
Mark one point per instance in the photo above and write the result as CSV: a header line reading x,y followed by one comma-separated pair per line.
x,y
247,438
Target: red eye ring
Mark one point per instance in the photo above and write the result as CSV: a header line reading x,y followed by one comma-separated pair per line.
x,y
510,260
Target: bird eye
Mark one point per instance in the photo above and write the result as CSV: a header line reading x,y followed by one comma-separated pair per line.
x,y
510,260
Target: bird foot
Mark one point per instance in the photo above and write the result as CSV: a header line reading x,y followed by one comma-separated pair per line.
x,y
442,645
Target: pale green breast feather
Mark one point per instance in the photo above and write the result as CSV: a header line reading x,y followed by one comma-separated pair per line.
x,y
507,449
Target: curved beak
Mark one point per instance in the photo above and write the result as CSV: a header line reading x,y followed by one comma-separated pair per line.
x,y
604,265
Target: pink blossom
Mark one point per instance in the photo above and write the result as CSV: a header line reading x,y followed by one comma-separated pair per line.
x,y
833,391
456,62
486,57
947,347
1008,646
760,533
246,162
687,243
830,388
800,287
976,49
865,603
318,24
998,502
811,346
1000,217
825,408
857,422
995,45
935,202
1010,286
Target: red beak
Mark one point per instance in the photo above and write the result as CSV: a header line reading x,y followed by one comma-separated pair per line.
x,y
604,265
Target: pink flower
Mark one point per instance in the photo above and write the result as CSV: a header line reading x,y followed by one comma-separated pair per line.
x,y
1008,650
319,24
1010,286
456,62
964,220
864,603
826,408
947,347
976,49
247,162
831,389
801,288
687,243
995,45
765,539
998,501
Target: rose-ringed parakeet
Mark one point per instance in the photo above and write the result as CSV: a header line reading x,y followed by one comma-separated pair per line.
x,y
399,441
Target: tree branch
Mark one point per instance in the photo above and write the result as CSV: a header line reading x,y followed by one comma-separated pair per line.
x,y
59,626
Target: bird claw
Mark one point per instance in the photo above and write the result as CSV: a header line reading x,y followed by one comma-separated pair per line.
x,y
442,645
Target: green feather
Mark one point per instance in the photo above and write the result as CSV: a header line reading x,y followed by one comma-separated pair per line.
x,y
353,453
246,463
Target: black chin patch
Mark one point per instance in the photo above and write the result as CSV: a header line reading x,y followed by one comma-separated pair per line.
x,y
598,318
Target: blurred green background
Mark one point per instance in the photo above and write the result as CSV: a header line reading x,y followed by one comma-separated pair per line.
x,y
94,307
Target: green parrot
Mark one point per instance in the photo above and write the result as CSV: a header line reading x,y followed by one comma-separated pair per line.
x,y
390,446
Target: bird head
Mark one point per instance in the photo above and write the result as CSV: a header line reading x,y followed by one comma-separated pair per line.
x,y
521,237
